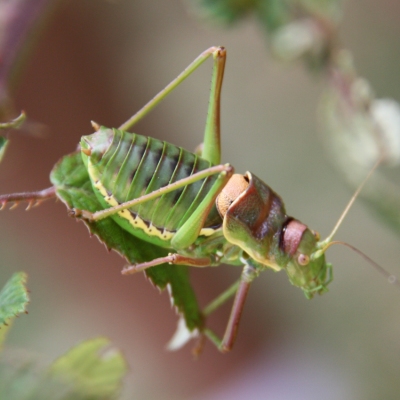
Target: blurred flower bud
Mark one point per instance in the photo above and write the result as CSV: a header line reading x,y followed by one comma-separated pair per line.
x,y
297,39
386,115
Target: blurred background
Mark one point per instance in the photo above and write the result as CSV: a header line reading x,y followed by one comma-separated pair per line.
x,y
102,60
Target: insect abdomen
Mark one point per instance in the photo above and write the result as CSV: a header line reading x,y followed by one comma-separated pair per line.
x,y
126,166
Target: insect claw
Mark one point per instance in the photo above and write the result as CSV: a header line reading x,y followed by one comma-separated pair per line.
x,y
75,212
82,214
199,346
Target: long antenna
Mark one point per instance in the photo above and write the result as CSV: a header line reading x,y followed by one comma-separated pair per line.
x,y
392,279
325,244
347,208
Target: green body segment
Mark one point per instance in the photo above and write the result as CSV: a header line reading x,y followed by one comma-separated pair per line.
x,y
124,166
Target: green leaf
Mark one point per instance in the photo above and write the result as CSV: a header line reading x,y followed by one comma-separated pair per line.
x,y
93,368
272,13
225,11
13,301
74,188
15,123
3,146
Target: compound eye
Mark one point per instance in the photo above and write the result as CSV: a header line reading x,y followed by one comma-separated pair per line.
x,y
303,259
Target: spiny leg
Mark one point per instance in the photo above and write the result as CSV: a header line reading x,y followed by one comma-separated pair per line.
x,y
169,88
225,171
175,259
32,198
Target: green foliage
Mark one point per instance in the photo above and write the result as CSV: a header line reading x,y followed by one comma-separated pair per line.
x,y
15,123
226,11
3,146
272,12
13,301
93,370
296,28
74,188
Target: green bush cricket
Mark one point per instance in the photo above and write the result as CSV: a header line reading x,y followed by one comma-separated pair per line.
x,y
195,209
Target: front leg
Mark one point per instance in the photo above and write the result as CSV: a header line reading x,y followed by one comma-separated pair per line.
x,y
173,259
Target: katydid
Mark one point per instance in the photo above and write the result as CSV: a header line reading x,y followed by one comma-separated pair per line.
x,y
196,207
